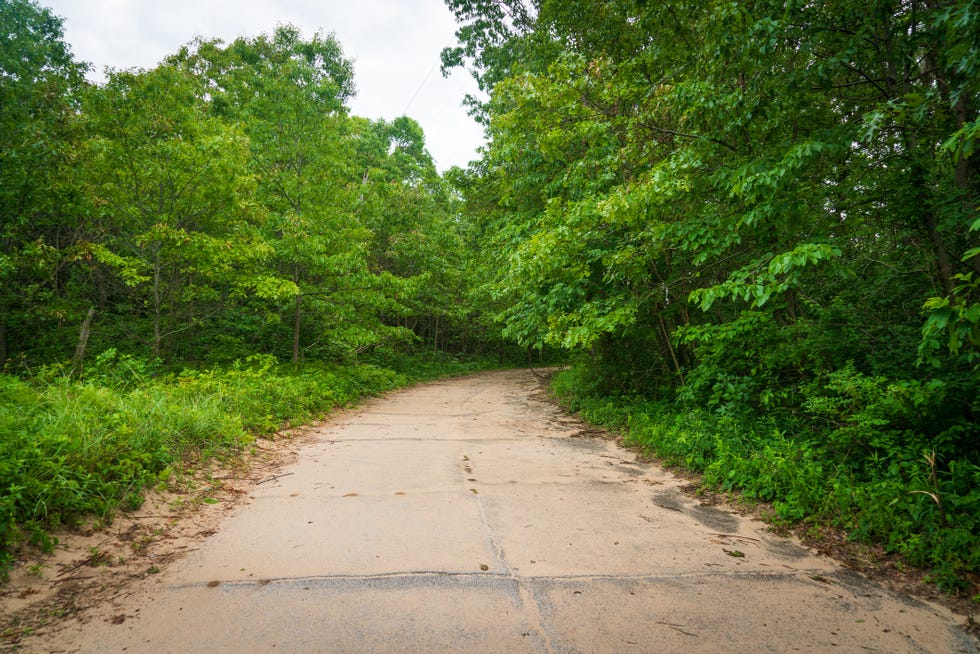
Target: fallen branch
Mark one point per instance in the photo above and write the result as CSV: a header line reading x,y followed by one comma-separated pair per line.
x,y
734,537
536,374
274,478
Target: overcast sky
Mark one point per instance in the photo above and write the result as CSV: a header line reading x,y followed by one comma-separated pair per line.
x,y
395,46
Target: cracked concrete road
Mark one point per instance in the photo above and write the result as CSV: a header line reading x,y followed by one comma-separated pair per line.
x,y
470,515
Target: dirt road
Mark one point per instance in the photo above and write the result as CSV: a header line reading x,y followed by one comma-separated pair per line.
x,y
470,515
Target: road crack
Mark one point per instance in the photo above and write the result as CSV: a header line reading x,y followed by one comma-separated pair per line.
x,y
529,601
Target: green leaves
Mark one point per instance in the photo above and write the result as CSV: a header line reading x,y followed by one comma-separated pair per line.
x,y
962,143
222,201
958,317
39,86
131,270
757,283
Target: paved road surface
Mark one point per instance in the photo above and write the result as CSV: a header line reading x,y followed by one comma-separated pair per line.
x,y
469,515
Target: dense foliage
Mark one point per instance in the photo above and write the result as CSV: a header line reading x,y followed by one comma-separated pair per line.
x,y
222,204
756,222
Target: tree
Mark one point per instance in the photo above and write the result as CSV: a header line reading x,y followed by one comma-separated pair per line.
x,y
289,95
39,83
704,185
172,201
414,239
758,218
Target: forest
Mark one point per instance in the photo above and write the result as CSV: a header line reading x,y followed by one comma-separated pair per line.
x,y
750,228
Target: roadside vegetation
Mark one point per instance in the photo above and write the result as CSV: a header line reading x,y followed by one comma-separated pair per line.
x,y
898,495
75,450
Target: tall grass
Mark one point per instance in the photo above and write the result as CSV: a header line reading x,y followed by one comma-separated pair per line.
x,y
72,448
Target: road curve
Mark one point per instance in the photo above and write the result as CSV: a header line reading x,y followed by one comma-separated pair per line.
x,y
470,515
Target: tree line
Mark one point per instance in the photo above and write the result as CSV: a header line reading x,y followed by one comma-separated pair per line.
x,y
223,203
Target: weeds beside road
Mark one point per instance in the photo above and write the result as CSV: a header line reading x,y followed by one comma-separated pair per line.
x,y
74,448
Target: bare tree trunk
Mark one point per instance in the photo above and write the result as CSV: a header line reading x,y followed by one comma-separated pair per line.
x,y
296,324
3,341
157,309
670,347
76,361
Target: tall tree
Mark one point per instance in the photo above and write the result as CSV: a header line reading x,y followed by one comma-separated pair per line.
x,y
289,94
171,197
39,82
407,207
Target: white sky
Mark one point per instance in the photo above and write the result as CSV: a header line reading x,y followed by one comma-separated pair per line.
x,y
395,45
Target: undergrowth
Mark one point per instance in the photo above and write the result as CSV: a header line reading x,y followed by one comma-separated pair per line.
x,y
72,447
918,502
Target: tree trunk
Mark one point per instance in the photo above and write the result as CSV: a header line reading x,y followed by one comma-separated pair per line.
x,y
790,297
76,361
965,168
670,348
296,324
943,266
3,342
157,309
917,179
